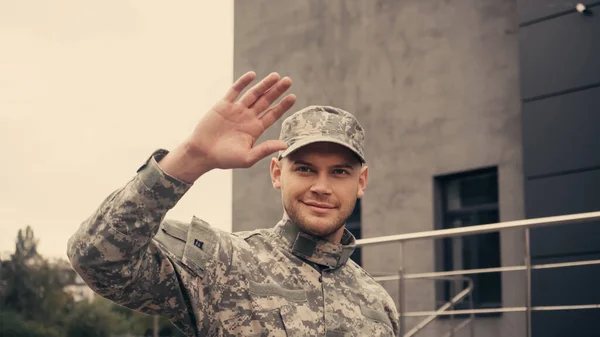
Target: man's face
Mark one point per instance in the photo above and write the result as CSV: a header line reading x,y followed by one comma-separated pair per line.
x,y
319,185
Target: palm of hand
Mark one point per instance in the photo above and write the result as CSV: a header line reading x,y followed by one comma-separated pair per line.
x,y
228,132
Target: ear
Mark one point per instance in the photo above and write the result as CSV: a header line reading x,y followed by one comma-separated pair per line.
x,y
362,181
275,169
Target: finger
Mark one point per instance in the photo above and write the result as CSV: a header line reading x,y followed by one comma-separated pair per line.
x,y
272,95
260,88
264,149
239,85
273,114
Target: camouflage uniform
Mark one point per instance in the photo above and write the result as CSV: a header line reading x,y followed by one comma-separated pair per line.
x,y
268,282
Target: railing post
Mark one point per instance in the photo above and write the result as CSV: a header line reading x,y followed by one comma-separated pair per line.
x,y
452,293
528,280
472,324
401,292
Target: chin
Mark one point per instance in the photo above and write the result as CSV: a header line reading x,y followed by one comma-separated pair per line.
x,y
319,232
319,226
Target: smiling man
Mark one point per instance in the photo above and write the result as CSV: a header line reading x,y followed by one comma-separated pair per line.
x,y
292,279
321,173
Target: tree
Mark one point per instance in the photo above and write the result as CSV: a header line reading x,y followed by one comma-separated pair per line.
x,y
137,323
33,288
12,325
20,293
95,319
34,303
26,246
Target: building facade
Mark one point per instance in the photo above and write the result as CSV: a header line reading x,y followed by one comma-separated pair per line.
x,y
559,48
439,88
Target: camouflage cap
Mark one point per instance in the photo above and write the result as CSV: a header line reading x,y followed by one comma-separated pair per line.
x,y
322,124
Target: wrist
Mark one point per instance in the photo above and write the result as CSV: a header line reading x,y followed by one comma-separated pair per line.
x,y
185,163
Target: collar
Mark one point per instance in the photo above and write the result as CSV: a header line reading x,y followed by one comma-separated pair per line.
x,y
316,249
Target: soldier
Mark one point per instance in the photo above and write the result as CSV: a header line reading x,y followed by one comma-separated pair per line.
x,y
293,279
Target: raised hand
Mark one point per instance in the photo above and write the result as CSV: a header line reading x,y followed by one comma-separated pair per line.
x,y
226,136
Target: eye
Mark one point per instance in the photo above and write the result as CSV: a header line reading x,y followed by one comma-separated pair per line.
x,y
340,171
303,169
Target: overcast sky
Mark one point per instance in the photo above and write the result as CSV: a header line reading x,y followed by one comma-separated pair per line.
x,y
88,89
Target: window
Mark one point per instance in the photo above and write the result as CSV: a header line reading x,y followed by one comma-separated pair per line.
x,y
470,199
353,225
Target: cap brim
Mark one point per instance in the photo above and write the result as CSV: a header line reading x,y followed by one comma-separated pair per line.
x,y
318,139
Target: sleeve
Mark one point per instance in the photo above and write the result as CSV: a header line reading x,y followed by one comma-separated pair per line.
x,y
119,255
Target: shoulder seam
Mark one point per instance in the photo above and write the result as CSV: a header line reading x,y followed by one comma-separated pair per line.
x,y
244,235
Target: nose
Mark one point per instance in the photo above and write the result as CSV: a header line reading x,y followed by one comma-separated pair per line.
x,y
321,185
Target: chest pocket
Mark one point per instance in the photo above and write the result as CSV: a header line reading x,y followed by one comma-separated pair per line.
x,y
193,244
200,246
272,311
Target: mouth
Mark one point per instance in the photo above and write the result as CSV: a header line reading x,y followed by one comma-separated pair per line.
x,y
318,207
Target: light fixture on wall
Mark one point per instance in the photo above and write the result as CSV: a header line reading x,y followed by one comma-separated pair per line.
x,y
581,8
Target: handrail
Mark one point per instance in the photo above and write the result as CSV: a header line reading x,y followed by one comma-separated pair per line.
x,y
481,229
506,309
459,327
526,224
462,294
484,270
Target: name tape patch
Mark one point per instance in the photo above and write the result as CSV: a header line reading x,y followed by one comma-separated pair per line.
x,y
198,243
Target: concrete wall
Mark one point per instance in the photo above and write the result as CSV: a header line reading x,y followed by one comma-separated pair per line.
x,y
434,84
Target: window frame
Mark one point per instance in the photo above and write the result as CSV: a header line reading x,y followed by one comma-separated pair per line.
x,y
443,247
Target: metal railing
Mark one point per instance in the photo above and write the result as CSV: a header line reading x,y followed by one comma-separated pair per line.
x,y
526,225
468,291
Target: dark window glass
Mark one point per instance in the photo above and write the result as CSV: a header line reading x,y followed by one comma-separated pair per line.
x,y
471,199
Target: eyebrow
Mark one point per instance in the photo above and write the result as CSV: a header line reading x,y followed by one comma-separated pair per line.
x,y
305,163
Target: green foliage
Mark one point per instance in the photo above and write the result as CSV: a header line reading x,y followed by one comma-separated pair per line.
x,y
136,323
33,287
12,325
33,302
94,320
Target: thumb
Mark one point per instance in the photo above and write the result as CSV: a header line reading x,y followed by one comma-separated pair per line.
x,y
264,149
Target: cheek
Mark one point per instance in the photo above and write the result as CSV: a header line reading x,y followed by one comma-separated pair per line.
x,y
347,185
344,191
349,192
294,185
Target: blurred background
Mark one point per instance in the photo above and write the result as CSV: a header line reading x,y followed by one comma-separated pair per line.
x,y
475,112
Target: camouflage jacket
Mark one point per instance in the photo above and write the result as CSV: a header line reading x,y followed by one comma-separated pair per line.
x,y
268,282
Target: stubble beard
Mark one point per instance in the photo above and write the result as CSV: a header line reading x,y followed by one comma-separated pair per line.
x,y
321,227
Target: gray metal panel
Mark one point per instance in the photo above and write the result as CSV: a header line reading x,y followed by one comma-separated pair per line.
x,y
559,54
578,285
566,286
561,133
573,323
572,193
536,9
